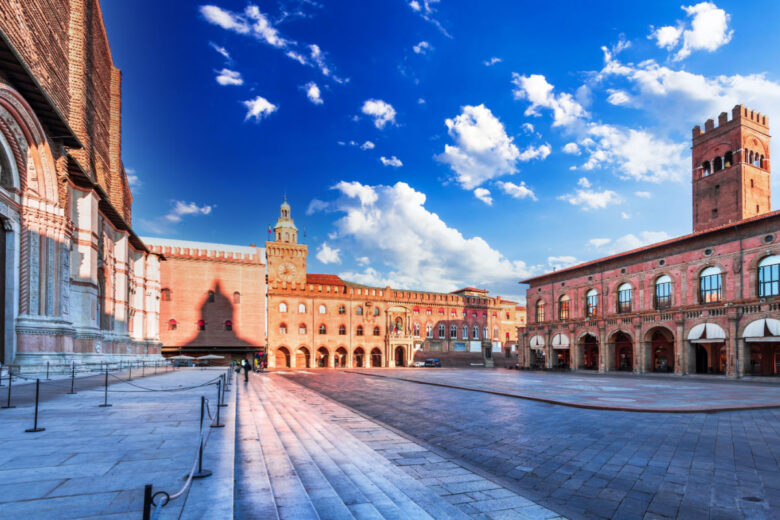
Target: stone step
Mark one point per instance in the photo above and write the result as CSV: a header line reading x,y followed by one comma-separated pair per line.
x,y
405,497
289,494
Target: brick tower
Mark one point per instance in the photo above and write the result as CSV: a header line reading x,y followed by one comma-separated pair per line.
x,y
730,169
286,258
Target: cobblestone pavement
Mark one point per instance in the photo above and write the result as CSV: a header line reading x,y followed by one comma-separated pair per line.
x,y
661,393
585,463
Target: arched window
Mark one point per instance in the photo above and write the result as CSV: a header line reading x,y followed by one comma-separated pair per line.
x,y
282,307
165,295
342,309
728,160
283,328
756,160
591,303
710,285
485,332
761,163
429,331
717,164
495,332
416,329
663,292
236,297
769,276
210,297
539,311
376,311
706,169
359,310
172,324
323,329
322,309
302,328
201,325
6,174
376,331
465,332
342,330
624,298
442,330
301,308
563,307
228,325
453,331
476,331
359,330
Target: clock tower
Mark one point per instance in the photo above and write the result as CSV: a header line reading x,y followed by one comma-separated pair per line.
x,y
286,258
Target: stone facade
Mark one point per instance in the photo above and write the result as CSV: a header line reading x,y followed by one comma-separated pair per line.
x,y
212,298
708,302
320,320
79,284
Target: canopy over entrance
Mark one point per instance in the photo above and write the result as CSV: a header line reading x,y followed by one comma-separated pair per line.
x,y
560,341
763,330
537,342
706,333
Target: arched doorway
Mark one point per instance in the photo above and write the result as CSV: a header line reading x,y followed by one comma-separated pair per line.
x,y
701,359
340,358
323,357
357,357
302,358
624,352
762,336
661,352
376,357
589,349
282,357
400,356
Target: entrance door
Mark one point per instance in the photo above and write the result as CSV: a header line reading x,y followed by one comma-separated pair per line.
x,y
399,356
701,360
376,358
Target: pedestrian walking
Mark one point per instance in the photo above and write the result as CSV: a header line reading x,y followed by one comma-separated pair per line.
x,y
245,366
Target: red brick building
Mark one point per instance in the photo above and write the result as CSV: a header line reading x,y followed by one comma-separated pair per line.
x,y
320,320
212,298
78,284
708,302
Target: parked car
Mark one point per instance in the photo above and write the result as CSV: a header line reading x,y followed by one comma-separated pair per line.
x,y
432,362
418,364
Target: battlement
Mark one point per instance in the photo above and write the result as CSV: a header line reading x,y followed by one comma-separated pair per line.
x,y
205,254
739,114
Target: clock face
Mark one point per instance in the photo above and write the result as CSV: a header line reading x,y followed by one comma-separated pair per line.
x,y
286,271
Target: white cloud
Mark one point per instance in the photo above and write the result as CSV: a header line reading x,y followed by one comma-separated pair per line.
x,y
482,149
561,262
223,51
259,108
599,242
424,252
624,215
393,161
328,255
316,205
643,194
229,77
583,182
422,48
528,128
536,89
628,242
571,148
539,152
363,260
589,199
492,61
483,194
420,101
520,191
382,112
425,9
618,97
181,209
225,19
313,93
708,31
368,145
132,178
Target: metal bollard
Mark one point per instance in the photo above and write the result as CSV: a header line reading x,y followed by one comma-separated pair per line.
x,y
10,378
222,396
72,378
143,368
201,473
218,424
105,393
147,502
130,377
47,371
35,421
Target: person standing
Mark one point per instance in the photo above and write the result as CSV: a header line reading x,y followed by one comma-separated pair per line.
x,y
245,366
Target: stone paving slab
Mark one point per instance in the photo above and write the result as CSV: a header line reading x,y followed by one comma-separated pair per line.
x,y
668,394
93,462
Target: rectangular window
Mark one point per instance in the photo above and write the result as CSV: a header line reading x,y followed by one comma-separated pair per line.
x,y
710,289
769,280
563,311
624,300
663,295
592,305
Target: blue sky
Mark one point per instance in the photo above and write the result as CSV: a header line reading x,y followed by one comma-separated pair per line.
x,y
432,144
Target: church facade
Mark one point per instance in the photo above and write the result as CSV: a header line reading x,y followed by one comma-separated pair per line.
x,y
78,285
707,302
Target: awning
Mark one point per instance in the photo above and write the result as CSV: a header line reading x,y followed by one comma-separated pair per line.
x,y
537,342
706,333
763,330
560,341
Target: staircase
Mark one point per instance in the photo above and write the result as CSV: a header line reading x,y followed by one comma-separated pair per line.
x,y
308,467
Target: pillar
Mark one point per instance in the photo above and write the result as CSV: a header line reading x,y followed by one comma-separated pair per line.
x,y
603,350
681,352
731,349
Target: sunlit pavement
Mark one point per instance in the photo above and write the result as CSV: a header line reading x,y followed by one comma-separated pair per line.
x,y
584,463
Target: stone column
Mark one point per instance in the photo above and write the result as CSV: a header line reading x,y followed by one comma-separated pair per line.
x,y
680,351
731,349
603,350
743,357
548,350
